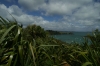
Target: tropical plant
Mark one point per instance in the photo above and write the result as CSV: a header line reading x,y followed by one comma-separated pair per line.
x,y
32,46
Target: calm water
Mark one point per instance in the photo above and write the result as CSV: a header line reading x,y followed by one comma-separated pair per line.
x,y
77,36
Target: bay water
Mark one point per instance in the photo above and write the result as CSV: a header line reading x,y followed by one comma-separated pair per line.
x,y
75,37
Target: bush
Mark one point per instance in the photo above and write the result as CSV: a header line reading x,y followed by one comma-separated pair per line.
x,y
32,46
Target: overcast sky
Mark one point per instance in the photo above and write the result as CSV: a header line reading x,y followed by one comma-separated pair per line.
x,y
62,15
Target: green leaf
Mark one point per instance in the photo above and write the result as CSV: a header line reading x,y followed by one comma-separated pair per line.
x,y
20,48
3,58
3,20
87,63
5,34
10,60
32,54
49,45
47,55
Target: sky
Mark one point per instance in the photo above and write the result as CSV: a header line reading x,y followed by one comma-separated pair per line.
x,y
60,15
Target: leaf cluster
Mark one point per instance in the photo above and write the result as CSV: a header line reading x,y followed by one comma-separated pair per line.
x,y
33,46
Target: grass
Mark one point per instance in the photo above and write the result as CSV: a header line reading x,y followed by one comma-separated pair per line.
x,y
32,46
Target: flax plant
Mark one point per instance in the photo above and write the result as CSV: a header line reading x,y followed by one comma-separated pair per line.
x,y
32,46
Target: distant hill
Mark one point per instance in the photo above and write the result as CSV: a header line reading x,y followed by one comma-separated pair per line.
x,y
52,32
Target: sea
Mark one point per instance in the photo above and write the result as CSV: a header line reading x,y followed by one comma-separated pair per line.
x,y
77,37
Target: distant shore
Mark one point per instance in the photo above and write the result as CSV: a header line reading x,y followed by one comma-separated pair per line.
x,y
52,32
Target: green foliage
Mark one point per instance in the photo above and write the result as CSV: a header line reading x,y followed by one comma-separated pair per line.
x,y
51,32
34,32
32,46
93,48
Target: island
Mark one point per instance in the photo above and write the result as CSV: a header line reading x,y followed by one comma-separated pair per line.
x,y
52,32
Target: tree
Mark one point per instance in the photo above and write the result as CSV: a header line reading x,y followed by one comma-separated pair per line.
x,y
33,32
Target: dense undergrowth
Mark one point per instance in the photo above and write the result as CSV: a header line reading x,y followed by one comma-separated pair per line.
x,y
32,46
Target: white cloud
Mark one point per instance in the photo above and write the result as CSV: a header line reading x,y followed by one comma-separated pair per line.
x,y
78,15
3,10
10,1
15,10
88,12
63,7
26,19
19,15
60,7
31,4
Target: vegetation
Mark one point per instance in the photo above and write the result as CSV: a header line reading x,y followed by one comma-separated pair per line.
x,y
32,46
51,32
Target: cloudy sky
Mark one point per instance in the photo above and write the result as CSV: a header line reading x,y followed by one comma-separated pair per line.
x,y
62,15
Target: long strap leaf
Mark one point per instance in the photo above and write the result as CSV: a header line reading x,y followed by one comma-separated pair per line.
x,y
3,20
32,53
87,63
10,60
5,34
